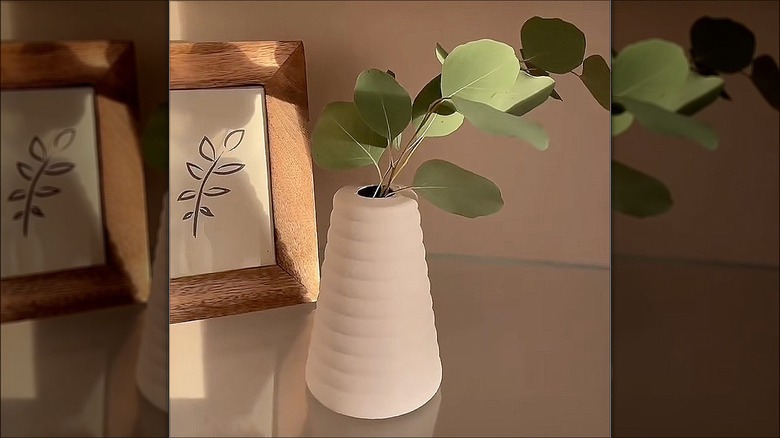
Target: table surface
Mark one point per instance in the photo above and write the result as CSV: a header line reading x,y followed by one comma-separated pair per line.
x,y
524,350
74,375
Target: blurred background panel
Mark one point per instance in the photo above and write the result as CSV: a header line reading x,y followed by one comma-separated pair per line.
x,y
725,201
145,23
75,374
556,205
695,289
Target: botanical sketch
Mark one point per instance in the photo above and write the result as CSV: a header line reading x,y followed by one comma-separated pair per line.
x,y
51,190
220,191
209,153
44,164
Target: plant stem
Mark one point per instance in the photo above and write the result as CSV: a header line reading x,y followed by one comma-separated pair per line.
x,y
30,194
200,196
412,145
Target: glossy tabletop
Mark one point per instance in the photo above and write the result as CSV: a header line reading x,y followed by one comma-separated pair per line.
x,y
75,376
524,349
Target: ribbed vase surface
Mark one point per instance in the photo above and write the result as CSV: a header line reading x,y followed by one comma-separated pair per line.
x,y
373,351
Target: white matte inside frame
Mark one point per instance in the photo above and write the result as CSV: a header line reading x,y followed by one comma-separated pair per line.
x,y
220,197
51,207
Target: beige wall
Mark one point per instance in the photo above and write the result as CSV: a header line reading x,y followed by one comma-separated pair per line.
x,y
556,202
727,200
142,22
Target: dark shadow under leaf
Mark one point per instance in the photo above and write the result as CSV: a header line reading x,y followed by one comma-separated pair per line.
x,y
766,77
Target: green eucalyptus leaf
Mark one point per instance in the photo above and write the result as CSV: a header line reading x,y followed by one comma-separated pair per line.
x,y
637,194
649,70
155,138
695,93
527,93
430,93
766,77
441,54
479,69
438,125
383,103
722,44
552,44
596,77
457,190
341,139
496,122
621,122
663,121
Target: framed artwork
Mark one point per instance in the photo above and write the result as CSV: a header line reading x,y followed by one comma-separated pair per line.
x,y
73,222
242,223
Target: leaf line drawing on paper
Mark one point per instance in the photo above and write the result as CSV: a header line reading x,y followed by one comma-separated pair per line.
x,y
209,153
45,167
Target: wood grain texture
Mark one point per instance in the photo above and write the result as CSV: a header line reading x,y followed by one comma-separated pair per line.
x,y
109,68
232,292
58,293
279,67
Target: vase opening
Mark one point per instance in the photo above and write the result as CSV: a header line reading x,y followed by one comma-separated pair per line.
x,y
369,191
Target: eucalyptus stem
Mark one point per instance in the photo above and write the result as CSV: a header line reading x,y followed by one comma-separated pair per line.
x,y
411,146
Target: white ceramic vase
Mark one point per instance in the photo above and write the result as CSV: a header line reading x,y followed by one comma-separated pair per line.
x,y
152,366
373,351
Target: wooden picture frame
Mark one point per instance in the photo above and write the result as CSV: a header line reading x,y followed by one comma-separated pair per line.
x,y
279,67
108,67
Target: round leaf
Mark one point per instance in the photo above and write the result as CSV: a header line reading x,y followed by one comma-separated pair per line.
x,y
477,70
552,44
383,103
438,125
637,194
341,139
722,44
648,70
660,120
457,190
525,94
495,122
596,77
695,93
621,122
